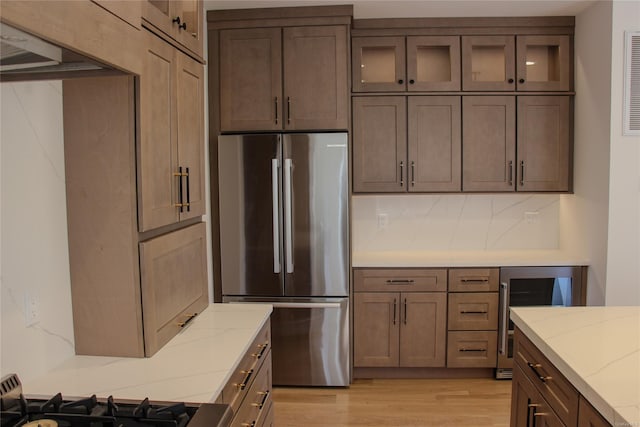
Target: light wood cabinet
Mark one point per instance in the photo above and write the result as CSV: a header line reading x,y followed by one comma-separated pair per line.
x,y
127,296
291,78
413,63
171,149
528,407
128,11
249,389
406,328
180,20
540,138
522,63
414,147
588,416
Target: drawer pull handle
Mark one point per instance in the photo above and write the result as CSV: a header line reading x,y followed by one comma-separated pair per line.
x,y
245,381
265,396
472,350
485,280
473,312
253,423
399,281
534,367
190,317
263,348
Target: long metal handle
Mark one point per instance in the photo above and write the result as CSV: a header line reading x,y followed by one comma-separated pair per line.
x,y
472,350
288,227
275,184
485,280
413,173
401,174
521,172
180,204
504,294
306,304
288,109
276,109
472,312
405,311
394,310
188,192
510,172
399,281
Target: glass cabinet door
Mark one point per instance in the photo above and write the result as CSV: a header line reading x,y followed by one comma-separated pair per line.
x,y
488,63
433,63
378,64
543,63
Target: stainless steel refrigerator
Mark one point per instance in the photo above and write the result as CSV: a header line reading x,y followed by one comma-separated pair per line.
x,y
284,239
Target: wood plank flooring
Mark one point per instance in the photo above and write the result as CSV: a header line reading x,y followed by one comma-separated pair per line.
x,y
397,402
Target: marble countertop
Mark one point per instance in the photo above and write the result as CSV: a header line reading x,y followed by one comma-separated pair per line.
x,y
596,348
193,367
513,258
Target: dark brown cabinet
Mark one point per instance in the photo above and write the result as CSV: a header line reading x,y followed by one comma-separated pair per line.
x,y
528,407
413,63
171,149
540,138
414,147
522,63
291,78
405,328
588,416
180,20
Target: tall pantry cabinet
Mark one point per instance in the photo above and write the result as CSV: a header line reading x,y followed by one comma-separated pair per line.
x,y
134,160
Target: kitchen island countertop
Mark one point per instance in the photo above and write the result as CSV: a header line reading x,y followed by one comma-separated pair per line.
x,y
193,367
596,348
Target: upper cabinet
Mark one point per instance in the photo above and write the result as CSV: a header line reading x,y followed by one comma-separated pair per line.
x,y
179,20
414,63
509,63
291,78
171,148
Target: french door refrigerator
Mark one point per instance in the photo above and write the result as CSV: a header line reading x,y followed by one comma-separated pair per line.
x,y
284,240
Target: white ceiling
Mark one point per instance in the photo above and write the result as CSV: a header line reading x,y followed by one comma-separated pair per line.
x,y
426,8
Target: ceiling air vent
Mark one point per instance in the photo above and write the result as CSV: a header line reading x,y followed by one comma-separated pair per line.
x,y
632,84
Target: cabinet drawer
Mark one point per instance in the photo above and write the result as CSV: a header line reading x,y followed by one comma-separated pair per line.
x,y
473,311
476,349
400,280
473,279
241,379
255,406
553,386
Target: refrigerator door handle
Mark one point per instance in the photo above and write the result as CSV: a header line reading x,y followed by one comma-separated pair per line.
x,y
306,305
504,317
275,214
288,227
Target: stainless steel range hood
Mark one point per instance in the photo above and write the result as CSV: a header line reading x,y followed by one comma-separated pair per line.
x,y
27,57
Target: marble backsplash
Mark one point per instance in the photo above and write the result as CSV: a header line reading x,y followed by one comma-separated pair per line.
x,y
451,222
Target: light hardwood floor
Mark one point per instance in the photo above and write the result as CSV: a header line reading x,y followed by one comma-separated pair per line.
x,y
397,402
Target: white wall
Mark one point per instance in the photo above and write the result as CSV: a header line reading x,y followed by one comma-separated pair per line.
x,y
623,256
34,253
584,215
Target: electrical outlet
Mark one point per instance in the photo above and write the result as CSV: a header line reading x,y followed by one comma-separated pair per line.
x,y
531,217
31,309
383,221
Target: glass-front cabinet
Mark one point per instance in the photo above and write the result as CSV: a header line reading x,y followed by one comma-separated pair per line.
x,y
523,63
414,63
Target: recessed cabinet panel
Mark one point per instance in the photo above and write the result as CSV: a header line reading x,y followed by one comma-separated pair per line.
x,y
433,63
378,64
251,79
424,334
488,63
434,143
376,329
488,158
180,20
379,144
543,63
544,126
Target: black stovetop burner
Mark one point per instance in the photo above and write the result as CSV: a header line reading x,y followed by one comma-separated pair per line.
x,y
18,411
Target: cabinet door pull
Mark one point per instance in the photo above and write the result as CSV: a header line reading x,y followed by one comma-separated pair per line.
x,y
245,381
190,317
188,192
265,395
399,281
394,311
411,81
510,172
400,81
263,348
521,172
177,20
288,109
510,81
485,280
472,350
413,173
401,174
472,312
180,203
534,367
405,311
276,102
521,81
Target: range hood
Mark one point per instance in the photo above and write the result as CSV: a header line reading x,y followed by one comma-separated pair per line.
x,y
26,57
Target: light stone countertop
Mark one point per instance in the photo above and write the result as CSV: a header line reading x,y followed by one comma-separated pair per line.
x,y
513,258
193,367
596,348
